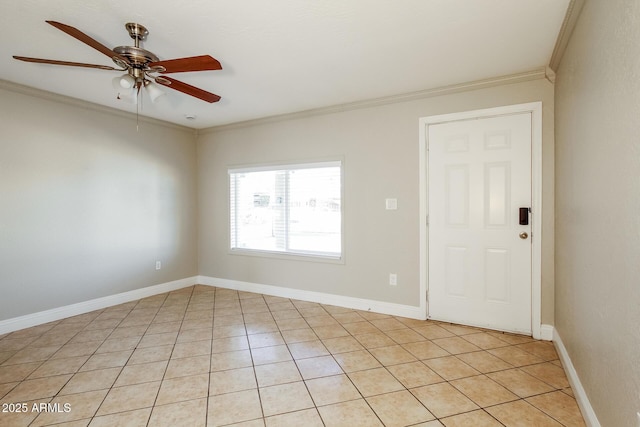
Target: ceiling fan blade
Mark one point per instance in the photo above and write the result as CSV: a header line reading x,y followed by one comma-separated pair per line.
x,y
187,88
74,32
71,64
192,63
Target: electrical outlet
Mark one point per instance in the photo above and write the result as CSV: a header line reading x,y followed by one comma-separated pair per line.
x,y
158,265
393,279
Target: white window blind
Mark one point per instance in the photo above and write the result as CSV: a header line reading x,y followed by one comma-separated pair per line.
x,y
294,209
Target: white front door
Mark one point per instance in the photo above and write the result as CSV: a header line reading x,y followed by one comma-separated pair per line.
x,y
479,176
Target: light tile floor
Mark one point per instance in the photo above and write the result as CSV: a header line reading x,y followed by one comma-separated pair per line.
x,y
205,356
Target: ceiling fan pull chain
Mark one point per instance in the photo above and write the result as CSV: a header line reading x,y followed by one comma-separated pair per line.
x,y
138,110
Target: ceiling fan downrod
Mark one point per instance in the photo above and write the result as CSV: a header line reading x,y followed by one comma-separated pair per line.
x,y
137,32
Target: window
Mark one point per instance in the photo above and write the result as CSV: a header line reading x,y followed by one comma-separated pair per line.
x,y
293,209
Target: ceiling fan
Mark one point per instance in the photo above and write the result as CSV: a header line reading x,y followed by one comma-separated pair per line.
x,y
140,65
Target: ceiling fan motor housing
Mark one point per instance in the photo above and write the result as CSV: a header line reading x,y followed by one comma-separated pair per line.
x,y
137,57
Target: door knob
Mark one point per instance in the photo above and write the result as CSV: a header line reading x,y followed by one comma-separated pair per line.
x,y
524,235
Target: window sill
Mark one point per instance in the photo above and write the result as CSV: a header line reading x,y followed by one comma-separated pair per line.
x,y
329,259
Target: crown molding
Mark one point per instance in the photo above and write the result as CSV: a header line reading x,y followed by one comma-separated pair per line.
x,y
536,74
569,23
51,96
550,75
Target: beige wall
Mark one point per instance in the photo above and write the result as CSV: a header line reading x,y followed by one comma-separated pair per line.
x,y
598,207
379,146
87,204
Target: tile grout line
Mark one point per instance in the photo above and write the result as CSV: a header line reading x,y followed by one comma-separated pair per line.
x,y
88,358
253,365
334,359
172,349
213,323
315,406
128,359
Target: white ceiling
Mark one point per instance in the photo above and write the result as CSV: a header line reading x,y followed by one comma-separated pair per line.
x,y
282,56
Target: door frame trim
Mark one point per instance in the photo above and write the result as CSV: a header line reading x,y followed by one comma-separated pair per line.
x,y
535,108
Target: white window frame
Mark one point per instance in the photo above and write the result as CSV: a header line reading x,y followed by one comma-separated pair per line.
x,y
286,254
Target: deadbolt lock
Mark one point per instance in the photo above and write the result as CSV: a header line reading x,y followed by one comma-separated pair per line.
x,y
524,235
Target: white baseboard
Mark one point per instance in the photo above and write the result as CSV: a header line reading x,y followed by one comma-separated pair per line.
x,y
546,332
54,314
393,309
588,413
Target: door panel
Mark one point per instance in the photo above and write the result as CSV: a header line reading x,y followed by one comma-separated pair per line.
x,y
479,174
457,193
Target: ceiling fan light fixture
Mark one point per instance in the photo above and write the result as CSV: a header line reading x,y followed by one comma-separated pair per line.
x,y
127,81
129,96
115,82
153,90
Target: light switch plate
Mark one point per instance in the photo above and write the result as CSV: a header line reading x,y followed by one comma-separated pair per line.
x,y
391,204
